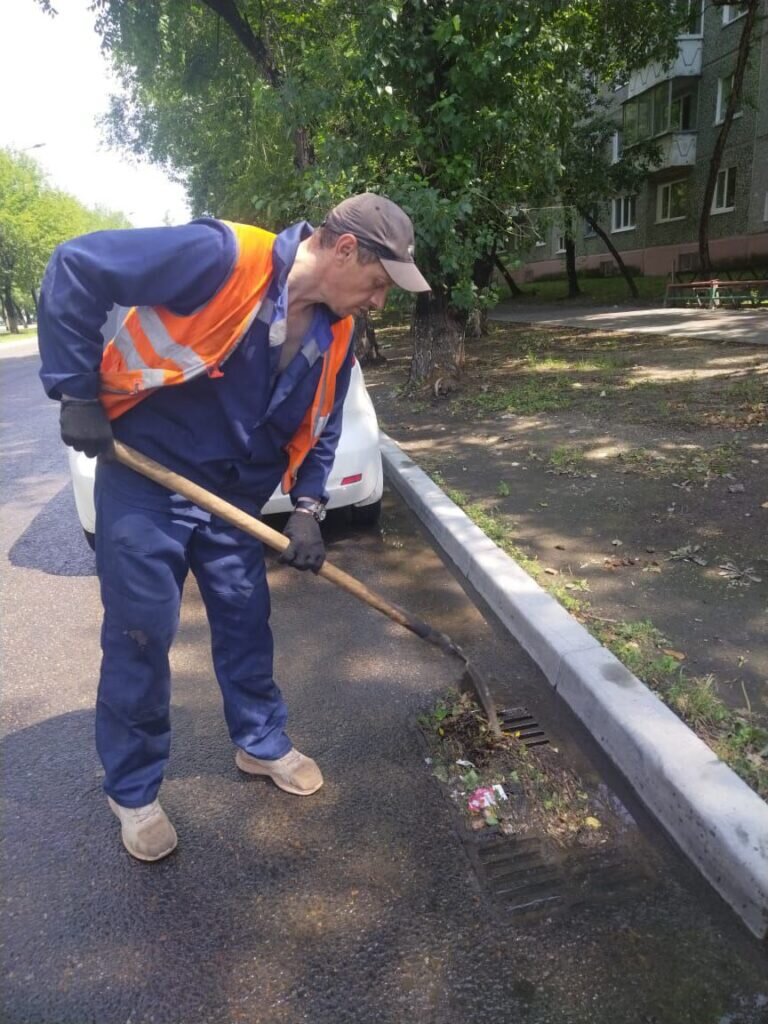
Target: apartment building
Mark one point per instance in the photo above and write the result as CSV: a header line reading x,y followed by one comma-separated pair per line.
x,y
682,108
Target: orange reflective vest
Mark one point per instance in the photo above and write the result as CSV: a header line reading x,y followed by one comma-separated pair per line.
x,y
157,348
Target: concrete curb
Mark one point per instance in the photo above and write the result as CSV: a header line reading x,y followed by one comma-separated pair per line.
x,y
717,820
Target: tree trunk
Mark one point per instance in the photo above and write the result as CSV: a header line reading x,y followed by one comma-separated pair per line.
x,y
10,309
613,251
303,150
570,267
35,305
511,283
482,274
745,42
364,342
438,342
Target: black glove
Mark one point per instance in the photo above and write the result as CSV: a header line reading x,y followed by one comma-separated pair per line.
x,y
306,550
85,426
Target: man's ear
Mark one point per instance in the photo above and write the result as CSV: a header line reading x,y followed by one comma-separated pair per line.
x,y
346,247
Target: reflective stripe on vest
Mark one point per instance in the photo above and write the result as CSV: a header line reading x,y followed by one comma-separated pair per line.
x,y
155,347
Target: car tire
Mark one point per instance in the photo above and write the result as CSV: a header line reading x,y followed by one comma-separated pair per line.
x,y
366,515
90,539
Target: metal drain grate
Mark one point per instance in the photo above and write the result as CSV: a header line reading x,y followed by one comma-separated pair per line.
x,y
520,720
604,876
519,875
528,875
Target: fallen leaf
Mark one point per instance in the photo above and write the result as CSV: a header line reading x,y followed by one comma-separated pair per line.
x,y
677,655
592,822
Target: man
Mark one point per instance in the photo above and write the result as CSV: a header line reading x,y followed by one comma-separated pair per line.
x,y
231,368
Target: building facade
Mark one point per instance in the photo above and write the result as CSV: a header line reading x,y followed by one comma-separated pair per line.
x,y
681,108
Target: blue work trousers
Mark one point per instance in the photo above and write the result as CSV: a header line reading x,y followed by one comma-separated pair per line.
x,y
146,541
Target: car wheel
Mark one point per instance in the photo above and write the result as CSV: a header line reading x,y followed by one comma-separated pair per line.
x,y
366,515
90,539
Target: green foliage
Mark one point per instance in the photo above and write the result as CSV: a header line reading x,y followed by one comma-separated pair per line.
x,y
34,219
461,111
454,107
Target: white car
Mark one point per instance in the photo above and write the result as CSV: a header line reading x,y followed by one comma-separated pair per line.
x,y
356,479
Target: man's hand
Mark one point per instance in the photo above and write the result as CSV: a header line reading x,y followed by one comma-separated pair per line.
x,y
306,550
85,426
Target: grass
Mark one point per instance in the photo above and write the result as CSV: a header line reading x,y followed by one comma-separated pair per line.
x,y
565,459
20,336
735,735
597,289
526,397
696,464
583,364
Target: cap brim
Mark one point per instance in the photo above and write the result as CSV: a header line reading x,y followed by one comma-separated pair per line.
x,y
406,275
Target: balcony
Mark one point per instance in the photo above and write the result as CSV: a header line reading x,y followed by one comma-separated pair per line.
x,y
678,149
686,64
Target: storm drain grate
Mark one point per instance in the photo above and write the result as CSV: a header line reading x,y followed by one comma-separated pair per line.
x,y
519,875
528,875
520,720
605,876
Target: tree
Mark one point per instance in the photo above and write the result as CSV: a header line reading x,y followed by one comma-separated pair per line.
x,y
463,108
34,219
746,39
590,175
224,95
448,106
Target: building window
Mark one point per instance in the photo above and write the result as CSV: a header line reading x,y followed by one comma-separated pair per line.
x,y
594,217
669,106
724,87
693,11
724,198
731,12
681,117
671,200
540,242
560,243
623,213
616,146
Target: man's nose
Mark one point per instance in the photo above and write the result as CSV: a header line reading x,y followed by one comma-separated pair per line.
x,y
379,298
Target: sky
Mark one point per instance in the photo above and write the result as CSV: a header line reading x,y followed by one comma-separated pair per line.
x,y
54,84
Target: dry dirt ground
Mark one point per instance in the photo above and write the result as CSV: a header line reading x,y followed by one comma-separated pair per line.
x,y
628,474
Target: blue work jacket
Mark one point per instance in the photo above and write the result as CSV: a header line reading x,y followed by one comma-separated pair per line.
x,y
226,433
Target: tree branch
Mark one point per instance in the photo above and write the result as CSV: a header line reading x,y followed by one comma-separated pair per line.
x,y
230,12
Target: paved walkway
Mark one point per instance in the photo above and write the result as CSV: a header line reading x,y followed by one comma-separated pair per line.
x,y
747,326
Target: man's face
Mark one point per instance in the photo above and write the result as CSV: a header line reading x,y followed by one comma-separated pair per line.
x,y
352,287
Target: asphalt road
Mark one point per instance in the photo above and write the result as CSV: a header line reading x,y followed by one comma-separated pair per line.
x,y
356,905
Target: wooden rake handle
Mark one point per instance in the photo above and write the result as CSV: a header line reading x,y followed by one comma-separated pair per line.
x,y
249,524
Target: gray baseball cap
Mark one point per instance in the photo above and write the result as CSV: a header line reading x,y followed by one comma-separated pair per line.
x,y
381,226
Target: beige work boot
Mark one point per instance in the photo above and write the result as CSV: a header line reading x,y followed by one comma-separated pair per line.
x,y
295,772
147,833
